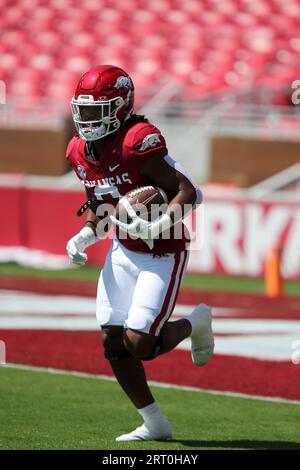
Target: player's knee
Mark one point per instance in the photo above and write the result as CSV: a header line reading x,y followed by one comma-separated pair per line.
x,y
138,350
140,345
112,340
111,337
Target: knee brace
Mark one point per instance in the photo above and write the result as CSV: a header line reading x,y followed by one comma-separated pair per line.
x,y
116,355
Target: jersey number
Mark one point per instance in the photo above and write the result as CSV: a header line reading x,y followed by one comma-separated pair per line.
x,y
107,189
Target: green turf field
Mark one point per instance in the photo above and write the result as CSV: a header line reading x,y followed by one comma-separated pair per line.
x,y
193,281
45,411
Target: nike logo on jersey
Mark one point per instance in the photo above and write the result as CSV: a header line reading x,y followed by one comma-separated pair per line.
x,y
113,168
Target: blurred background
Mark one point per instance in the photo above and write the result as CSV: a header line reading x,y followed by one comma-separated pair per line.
x,y
218,79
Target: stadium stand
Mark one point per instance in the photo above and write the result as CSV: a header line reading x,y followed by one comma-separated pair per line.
x,y
207,45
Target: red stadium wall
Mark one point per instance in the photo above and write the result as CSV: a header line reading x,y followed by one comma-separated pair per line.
x,y
238,230
43,219
235,231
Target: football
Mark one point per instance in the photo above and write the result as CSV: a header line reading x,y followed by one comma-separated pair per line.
x,y
148,202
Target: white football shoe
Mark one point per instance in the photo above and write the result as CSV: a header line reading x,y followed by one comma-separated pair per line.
x,y
161,430
202,336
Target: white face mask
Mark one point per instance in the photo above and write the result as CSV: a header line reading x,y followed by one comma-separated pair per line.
x,y
95,119
94,133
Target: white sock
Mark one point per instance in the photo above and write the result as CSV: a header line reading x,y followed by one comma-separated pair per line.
x,y
151,412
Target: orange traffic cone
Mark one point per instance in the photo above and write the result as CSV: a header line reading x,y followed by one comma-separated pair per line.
x,y
273,276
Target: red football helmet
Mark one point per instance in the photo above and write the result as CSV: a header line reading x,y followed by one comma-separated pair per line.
x,y
103,100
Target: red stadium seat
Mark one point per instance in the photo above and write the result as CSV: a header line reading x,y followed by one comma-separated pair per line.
x,y
23,87
221,43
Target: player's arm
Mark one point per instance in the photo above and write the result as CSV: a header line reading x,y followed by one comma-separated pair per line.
x,y
85,238
148,149
91,220
174,183
184,196
95,227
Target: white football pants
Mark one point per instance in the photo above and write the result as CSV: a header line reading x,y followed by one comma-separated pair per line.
x,y
138,291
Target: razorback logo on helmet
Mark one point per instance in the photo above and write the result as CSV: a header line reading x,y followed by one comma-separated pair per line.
x,y
123,82
150,141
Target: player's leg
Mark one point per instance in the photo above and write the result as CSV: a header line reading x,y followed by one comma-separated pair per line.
x,y
128,370
115,290
199,323
152,304
148,347
130,374
155,292
153,299
149,333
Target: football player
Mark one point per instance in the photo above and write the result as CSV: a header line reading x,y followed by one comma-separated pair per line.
x,y
115,151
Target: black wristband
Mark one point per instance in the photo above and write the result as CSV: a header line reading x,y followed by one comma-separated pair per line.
x,y
85,206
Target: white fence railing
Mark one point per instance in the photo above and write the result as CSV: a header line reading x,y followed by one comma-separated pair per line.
x,y
246,110
277,182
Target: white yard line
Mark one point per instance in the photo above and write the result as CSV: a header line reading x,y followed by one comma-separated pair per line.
x,y
266,339
25,302
12,301
156,384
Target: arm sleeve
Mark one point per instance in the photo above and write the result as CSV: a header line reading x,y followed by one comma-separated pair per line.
x,y
170,161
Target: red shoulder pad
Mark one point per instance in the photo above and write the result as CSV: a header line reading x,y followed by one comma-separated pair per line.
x,y
146,139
